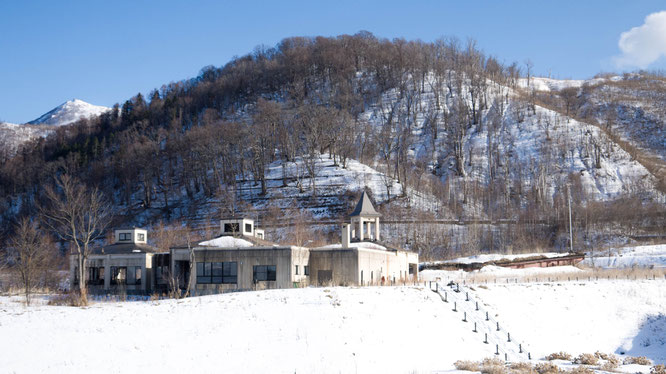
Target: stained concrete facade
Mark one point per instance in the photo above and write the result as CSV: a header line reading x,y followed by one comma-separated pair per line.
x,y
240,259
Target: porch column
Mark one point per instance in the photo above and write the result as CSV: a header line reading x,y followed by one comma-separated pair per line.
x,y
377,228
360,228
107,273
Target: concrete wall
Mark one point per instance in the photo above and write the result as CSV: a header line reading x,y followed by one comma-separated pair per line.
x,y
283,258
144,260
343,264
393,266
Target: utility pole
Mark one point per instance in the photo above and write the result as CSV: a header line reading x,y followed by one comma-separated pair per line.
x,y
570,228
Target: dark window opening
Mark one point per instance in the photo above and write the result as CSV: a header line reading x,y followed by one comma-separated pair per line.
x,y
231,227
264,273
248,227
118,275
124,236
141,237
217,272
296,270
306,270
95,276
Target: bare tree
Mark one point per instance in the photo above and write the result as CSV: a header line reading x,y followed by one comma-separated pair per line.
x,y
28,253
79,215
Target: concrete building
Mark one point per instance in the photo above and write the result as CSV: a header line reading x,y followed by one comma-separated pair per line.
x,y
124,266
241,259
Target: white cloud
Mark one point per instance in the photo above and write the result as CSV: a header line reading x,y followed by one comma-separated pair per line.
x,y
644,44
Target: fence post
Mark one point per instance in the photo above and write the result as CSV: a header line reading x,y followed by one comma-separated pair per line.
x,y
485,340
508,337
487,319
529,356
520,348
454,307
506,357
466,296
464,316
474,327
477,305
497,326
497,349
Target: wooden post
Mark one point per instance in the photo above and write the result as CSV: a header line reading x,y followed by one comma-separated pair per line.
x,y
497,349
520,348
474,327
497,326
464,316
454,307
487,319
477,305
485,340
508,337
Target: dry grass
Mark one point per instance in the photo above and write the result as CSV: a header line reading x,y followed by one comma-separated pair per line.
x,y
547,368
586,359
640,360
67,299
559,356
581,370
522,368
658,369
586,274
466,365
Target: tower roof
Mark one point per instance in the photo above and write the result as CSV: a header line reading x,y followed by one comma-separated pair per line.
x,y
365,208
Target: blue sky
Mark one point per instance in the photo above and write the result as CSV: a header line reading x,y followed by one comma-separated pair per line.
x,y
104,52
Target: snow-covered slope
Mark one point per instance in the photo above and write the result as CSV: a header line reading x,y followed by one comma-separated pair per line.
x,y
69,112
12,136
333,330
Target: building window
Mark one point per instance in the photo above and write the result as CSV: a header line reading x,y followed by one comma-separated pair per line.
x,y
137,275
306,270
95,276
296,271
231,227
263,273
118,275
124,236
248,227
217,272
141,237
204,273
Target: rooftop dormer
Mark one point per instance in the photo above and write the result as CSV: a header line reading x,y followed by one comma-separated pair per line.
x,y
130,235
240,226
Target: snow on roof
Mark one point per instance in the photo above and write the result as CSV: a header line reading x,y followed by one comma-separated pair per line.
x,y
226,242
363,245
496,257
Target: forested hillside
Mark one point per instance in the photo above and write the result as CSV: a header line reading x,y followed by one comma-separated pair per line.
x,y
460,151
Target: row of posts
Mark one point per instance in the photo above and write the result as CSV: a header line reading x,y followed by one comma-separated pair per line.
x,y
485,340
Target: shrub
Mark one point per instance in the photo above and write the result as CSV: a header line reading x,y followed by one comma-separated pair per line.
x,y
581,370
493,366
586,359
658,369
547,368
641,360
466,365
67,299
600,355
521,368
559,356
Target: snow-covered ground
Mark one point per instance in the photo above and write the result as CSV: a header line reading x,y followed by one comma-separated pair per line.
x,y
339,329
312,330
497,257
621,317
628,257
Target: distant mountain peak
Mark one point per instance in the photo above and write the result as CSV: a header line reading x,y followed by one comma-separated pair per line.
x,y
69,112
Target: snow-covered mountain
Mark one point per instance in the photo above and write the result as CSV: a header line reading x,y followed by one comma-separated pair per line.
x,y
69,112
12,136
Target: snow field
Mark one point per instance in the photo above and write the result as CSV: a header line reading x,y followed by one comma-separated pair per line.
x,y
313,330
620,317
